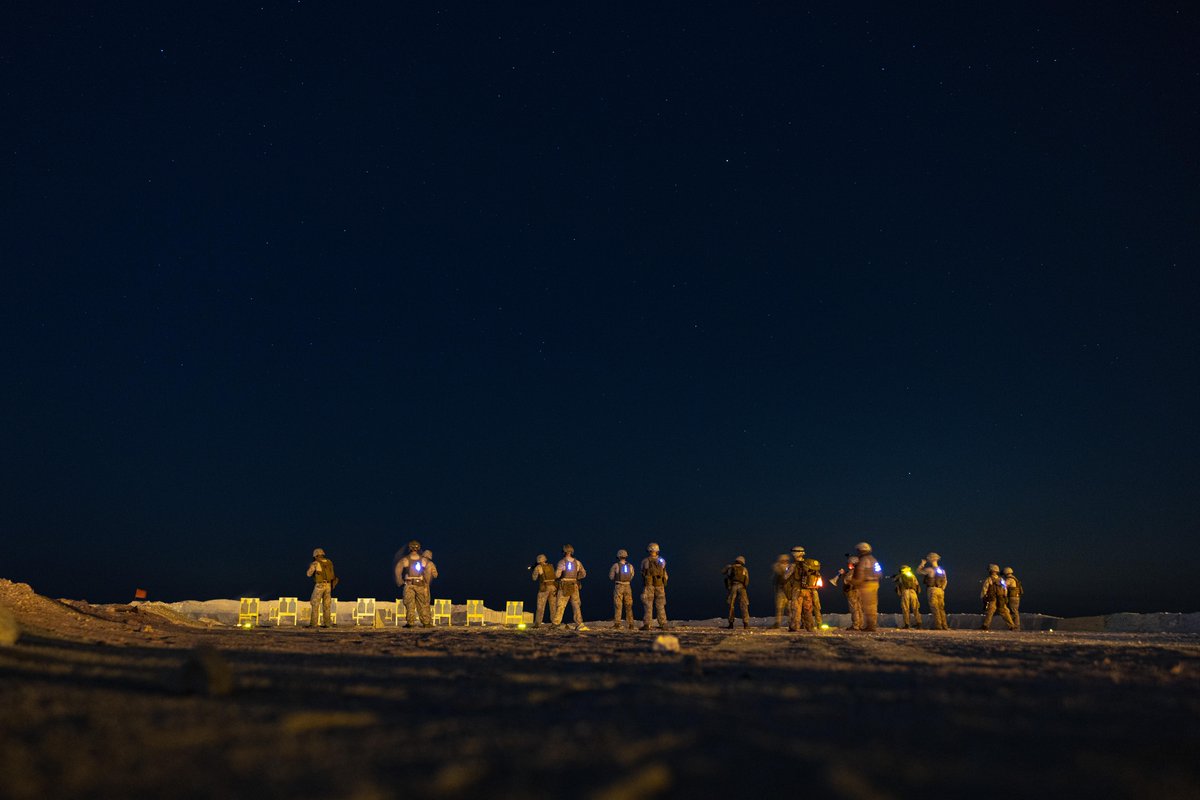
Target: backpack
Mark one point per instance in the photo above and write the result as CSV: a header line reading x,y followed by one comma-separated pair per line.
x,y
739,574
656,573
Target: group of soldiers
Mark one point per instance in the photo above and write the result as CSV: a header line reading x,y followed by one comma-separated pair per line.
x,y
796,580
558,585
415,571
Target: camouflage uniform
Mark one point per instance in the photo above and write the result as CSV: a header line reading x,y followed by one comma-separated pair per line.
x,y
850,589
621,574
654,590
995,596
779,583
736,579
414,572
910,597
866,582
321,571
569,572
547,596
804,578
1015,590
935,586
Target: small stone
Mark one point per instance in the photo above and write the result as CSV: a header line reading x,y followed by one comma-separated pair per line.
x,y
9,630
206,672
665,643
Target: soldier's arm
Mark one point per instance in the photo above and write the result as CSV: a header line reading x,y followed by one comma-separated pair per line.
x,y
612,572
582,571
432,570
311,569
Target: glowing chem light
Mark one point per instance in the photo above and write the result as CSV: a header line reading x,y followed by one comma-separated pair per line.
x,y
416,566
520,626
824,626
939,570
878,568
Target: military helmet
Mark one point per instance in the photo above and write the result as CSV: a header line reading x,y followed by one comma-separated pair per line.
x,y
798,549
783,558
933,557
541,559
568,549
993,567
622,554
812,563
862,547
740,560
652,547
318,553
414,546
1008,571
427,554
905,568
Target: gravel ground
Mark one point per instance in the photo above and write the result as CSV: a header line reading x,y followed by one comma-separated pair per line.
x,y
122,701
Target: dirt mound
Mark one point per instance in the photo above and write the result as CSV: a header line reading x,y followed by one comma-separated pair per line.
x,y
79,619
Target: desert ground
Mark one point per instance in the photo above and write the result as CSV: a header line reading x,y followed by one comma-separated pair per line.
x,y
139,701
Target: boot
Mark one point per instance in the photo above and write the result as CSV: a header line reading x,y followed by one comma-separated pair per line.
x,y
730,625
616,625
644,627
745,623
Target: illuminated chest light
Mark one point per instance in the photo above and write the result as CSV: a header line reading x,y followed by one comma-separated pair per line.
x,y
625,569
939,570
416,566
662,561
570,566
878,567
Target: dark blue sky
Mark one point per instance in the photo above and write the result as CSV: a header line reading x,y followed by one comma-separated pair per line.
x,y
730,278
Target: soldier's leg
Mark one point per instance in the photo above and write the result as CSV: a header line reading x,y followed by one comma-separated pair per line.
x,y
781,604
856,621
326,599
540,606
618,601
423,605
660,606
315,602
988,611
647,607
410,605
868,597
794,604
937,602
560,605
744,602
812,609
576,610
1002,607
1014,609
817,608
628,601
916,604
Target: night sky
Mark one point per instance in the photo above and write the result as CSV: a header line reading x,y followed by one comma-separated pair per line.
x,y
729,278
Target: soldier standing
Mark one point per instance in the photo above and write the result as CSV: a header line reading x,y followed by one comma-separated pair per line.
x,y
910,599
866,581
621,574
935,587
737,577
321,571
414,572
994,593
547,596
851,591
569,572
779,584
1015,590
806,602
654,588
